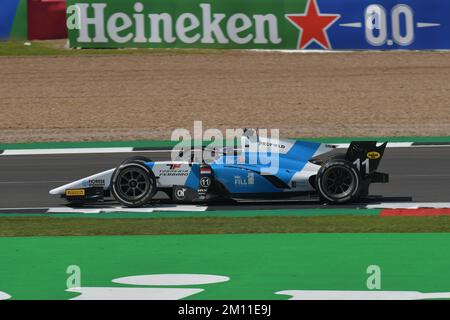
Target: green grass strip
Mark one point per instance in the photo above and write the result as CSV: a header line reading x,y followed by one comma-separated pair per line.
x,y
55,48
53,226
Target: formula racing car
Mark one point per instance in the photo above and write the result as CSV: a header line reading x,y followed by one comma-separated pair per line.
x,y
302,170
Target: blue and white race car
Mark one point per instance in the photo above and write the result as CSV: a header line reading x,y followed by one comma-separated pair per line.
x,y
302,170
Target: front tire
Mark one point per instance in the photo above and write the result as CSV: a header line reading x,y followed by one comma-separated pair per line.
x,y
133,184
338,181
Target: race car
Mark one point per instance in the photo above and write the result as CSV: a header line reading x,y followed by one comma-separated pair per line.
x,y
303,170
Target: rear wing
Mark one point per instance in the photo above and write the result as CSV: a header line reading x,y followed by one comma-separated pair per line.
x,y
365,155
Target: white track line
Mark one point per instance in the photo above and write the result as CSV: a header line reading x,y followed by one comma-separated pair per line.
x,y
199,208
398,145
28,152
187,208
25,152
409,205
389,145
168,207
431,146
21,209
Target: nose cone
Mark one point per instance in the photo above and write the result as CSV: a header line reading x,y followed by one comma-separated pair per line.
x,y
54,191
84,183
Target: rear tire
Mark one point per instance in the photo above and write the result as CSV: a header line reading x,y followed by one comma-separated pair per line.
x,y
338,181
133,184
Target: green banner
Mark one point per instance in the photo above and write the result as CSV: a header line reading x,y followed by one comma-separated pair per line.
x,y
260,24
183,23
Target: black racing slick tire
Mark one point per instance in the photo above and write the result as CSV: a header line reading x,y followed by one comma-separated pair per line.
x,y
338,181
133,184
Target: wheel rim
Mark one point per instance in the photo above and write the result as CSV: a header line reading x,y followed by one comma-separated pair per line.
x,y
133,184
338,182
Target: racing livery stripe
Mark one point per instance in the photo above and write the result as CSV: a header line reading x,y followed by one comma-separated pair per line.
x,y
305,151
193,179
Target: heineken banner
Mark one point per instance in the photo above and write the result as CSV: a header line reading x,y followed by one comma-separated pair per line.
x,y
260,24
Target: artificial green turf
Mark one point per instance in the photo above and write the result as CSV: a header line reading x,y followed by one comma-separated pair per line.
x,y
258,265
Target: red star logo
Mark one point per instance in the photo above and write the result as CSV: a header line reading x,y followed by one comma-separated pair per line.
x,y
313,26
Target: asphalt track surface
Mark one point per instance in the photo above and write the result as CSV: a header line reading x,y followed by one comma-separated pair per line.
x,y
417,174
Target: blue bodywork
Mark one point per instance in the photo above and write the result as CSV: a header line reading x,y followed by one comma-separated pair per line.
x,y
235,176
250,172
